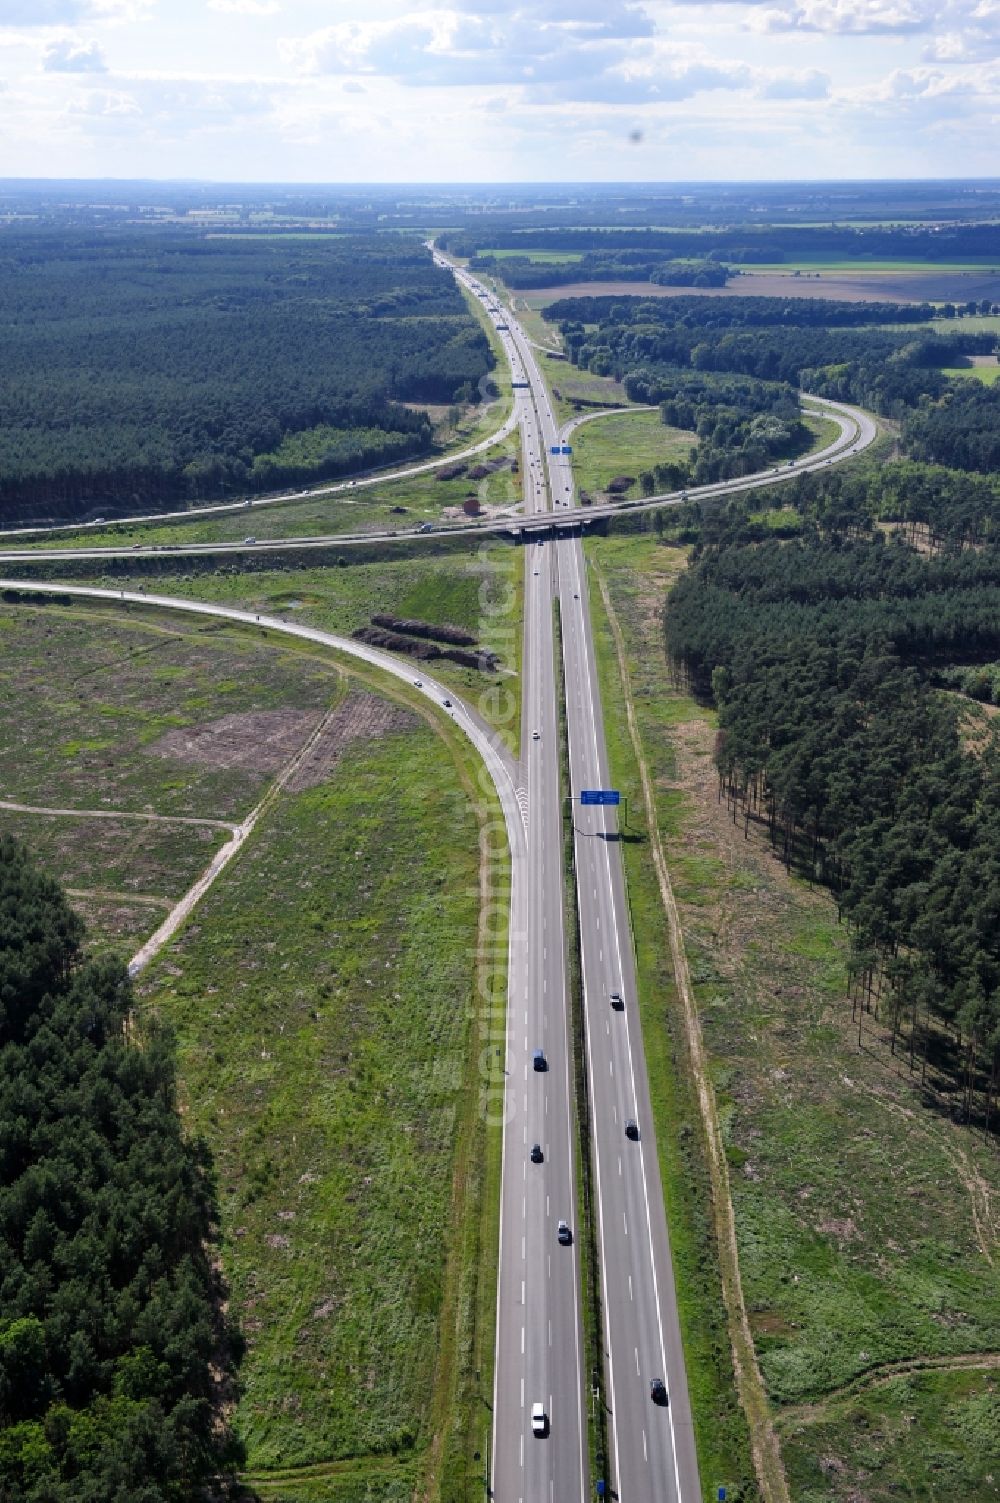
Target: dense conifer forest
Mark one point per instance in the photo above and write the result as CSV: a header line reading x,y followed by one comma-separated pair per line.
x,y
145,367
110,1321
832,656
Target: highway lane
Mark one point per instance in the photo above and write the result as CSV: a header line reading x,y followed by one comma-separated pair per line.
x,y
652,1447
539,1340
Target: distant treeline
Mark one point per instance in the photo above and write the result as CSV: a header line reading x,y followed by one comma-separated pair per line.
x,y
604,266
113,1341
144,367
746,243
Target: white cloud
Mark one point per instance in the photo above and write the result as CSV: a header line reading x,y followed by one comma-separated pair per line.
x,y
812,84
245,7
352,87
103,104
73,55
845,17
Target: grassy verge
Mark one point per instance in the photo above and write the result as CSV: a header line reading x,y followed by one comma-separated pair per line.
x,y
866,1221
623,443
824,430
575,390
720,1427
329,1052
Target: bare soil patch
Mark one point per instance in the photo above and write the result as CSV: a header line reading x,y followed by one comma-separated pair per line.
x,y
260,741
361,717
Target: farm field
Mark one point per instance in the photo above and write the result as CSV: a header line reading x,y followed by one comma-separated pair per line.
x,y
479,589
867,1221
329,1055
918,286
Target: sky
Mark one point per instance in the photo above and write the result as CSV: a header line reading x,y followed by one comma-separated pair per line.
x,y
499,90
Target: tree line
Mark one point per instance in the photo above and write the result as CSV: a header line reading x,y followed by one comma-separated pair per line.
x,y
822,655
603,266
746,242
110,1310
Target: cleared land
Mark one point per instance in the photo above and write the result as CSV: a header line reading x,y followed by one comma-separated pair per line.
x,y
90,700
323,993
868,1223
480,589
329,1054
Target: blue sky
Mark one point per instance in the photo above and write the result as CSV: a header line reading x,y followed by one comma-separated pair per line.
x,y
484,90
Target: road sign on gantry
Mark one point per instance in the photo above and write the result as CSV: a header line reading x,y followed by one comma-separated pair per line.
x,y
566,449
553,448
600,796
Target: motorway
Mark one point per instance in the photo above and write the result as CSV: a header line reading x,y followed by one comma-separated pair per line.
x,y
539,1339
653,1456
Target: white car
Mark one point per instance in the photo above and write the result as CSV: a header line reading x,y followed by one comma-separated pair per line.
x,y
535,735
539,1420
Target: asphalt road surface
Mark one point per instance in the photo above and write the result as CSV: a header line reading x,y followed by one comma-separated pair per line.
x,y
653,1458
539,1339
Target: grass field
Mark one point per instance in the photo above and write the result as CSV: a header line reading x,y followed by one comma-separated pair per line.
x,y
988,374
867,1222
623,444
552,258
480,590
328,1050
575,390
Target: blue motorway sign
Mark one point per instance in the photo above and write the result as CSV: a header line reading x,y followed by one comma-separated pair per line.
x,y
600,796
567,449
553,448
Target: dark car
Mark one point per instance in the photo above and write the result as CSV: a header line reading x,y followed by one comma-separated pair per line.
x,y
536,1154
617,1001
632,1129
564,1234
538,1060
658,1391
